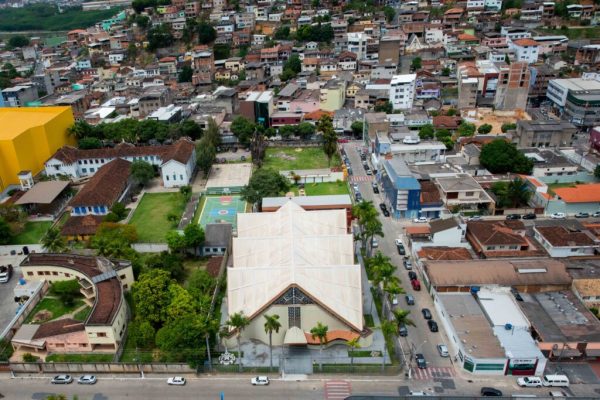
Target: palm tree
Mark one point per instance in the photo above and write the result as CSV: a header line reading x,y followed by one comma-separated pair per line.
x,y
373,227
381,268
271,324
392,287
53,241
238,321
353,345
320,332
364,212
512,194
401,318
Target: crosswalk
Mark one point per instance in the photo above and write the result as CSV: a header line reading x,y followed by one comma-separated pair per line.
x,y
361,178
432,373
337,390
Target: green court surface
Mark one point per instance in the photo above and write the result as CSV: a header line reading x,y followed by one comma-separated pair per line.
x,y
222,209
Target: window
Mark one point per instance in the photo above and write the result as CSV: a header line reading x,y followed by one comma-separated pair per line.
x,y
84,170
101,334
40,273
29,273
122,276
67,275
181,177
54,273
491,247
294,317
470,194
167,176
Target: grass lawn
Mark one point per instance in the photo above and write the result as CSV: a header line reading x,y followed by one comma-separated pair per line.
x,y
33,232
192,264
574,33
83,314
290,158
55,306
80,358
369,320
325,188
150,217
553,186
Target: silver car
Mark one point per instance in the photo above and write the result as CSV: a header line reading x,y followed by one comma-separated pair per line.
x,y
87,380
443,350
62,379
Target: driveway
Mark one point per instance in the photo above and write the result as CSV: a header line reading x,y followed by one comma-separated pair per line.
x,y
8,307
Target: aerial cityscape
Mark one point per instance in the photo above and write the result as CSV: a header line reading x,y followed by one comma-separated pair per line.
x,y
299,199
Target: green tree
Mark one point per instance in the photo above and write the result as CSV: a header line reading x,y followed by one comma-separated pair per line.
x,y
53,241
390,13
305,130
271,324
508,126
319,332
80,130
357,128
201,283
66,291
381,268
87,143
365,212
206,154
18,41
325,126
264,183
206,33
141,334
282,33
258,145
159,36
426,132
238,321
451,112
194,236
484,129
141,172
385,107
221,51
287,131
512,194
401,317
152,297
353,344
182,304
176,242
466,129
190,128
182,340
119,210
500,157
416,64
243,129
114,240
165,261
185,75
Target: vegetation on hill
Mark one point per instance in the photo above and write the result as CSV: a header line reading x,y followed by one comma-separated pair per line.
x,y
48,18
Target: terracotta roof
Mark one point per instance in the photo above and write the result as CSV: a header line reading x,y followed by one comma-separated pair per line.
x,y
105,187
316,115
214,265
311,60
180,150
444,121
490,233
347,54
563,237
444,253
85,226
108,301
466,36
58,327
417,230
586,193
526,42
456,10
331,336
167,59
430,193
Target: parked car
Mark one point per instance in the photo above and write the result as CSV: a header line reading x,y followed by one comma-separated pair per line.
x,y
176,380
402,330
582,215
420,220
421,362
407,264
416,285
355,187
596,214
375,189
5,273
443,350
395,300
433,326
529,381
374,243
557,215
382,206
490,392
369,172
400,247
386,213
513,216
410,299
412,275
87,380
418,394
426,313
260,381
530,216
62,379
475,218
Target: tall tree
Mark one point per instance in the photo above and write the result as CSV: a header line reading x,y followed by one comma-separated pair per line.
x,y
320,332
151,296
271,324
258,146
141,172
206,33
206,154
513,194
238,321
353,344
185,75
329,137
364,212
401,317
243,129
53,241
264,183
500,157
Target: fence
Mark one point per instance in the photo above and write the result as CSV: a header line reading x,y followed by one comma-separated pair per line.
x,y
75,367
150,247
14,325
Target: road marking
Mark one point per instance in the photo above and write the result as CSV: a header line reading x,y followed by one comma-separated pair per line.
x,y
434,372
337,390
361,178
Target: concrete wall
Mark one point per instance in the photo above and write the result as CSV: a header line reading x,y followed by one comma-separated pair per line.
x,y
76,368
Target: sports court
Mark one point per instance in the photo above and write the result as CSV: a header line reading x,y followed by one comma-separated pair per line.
x,y
222,209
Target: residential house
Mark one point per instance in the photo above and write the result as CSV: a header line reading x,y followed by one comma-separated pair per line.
x,y
566,241
462,191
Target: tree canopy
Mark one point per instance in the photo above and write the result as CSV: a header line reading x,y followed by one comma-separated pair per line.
x,y
159,36
141,172
206,33
264,183
500,157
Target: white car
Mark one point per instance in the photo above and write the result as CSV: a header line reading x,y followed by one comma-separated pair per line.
x,y
260,381
87,380
411,393
529,381
395,300
557,215
374,243
62,379
443,350
421,220
398,242
176,380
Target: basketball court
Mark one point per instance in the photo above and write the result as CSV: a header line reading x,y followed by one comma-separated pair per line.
x,y
218,209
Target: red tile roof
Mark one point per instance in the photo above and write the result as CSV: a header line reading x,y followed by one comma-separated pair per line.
x,y
58,327
84,226
526,42
331,336
586,193
490,233
105,187
108,301
562,237
444,253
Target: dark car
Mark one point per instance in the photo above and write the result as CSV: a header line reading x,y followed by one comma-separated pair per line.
x,y
421,362
490,392
426,313
410,300
530,216
433,327
402,330
375,189
513,216
412,275
385,213
382,206
401,249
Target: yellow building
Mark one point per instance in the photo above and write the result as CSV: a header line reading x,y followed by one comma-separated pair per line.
x,y
333,95
28,138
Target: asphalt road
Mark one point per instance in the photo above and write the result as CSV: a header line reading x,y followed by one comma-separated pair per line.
x,y
419,338
8,307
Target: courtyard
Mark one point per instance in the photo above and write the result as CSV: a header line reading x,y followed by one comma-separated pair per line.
x,y
150,218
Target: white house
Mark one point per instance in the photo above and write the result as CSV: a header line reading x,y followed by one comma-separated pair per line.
x,y
176,162
357,44
526,50
560,241
492,5
402,91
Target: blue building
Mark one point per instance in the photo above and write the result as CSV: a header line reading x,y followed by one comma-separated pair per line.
x,y
401,190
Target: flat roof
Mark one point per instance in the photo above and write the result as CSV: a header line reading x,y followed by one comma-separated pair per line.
x,y
501,309
15,121
578,84
229,175
43,192
328,200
